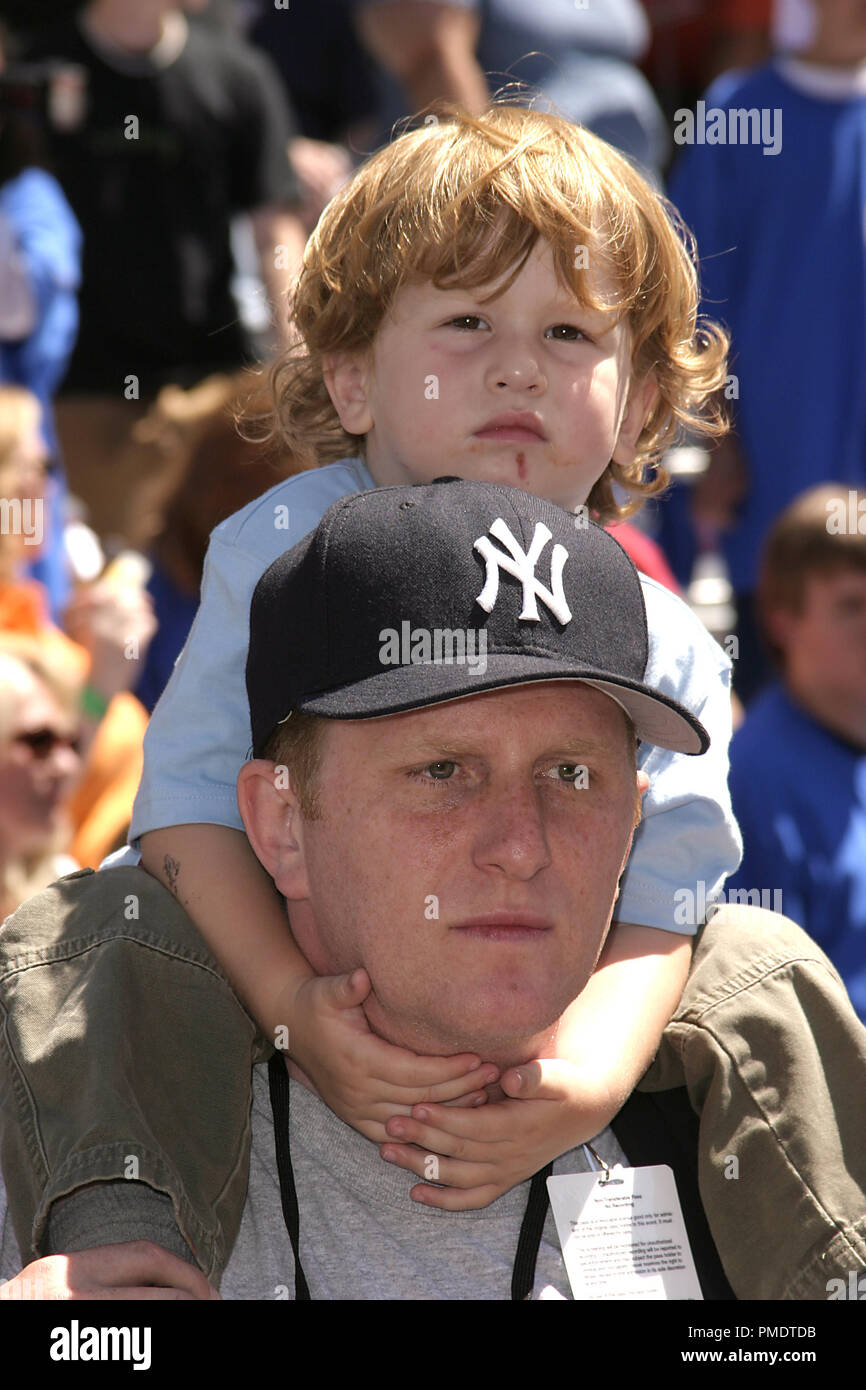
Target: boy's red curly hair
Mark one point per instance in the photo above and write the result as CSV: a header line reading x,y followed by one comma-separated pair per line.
x,y
462,201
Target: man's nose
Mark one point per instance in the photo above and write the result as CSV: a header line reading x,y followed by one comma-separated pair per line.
x,y
511,836
514,366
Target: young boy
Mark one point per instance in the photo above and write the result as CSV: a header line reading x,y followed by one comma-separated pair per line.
x,y
804,818
504,299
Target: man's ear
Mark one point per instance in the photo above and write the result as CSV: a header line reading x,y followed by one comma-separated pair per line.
x,y
346,375
272,819
641,788
642,396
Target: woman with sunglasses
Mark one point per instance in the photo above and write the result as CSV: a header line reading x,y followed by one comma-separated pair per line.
x,y
39,766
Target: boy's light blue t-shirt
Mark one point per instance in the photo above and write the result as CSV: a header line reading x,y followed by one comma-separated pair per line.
x,y
199,734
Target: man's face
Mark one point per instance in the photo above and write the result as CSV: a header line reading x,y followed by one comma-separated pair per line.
x,y
445,364
461,861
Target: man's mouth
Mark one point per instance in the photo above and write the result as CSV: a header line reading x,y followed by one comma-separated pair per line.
x,y
507,927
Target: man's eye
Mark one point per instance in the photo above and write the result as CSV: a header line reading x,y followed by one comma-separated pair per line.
x,y
564,333
575,773
466,322
440,772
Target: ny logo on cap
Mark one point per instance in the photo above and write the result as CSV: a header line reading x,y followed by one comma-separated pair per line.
x,y
521,563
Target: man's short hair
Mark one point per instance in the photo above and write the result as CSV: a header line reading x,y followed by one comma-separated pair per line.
x,y
297,745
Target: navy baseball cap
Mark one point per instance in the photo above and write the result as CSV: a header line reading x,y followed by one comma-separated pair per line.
x,y
410,596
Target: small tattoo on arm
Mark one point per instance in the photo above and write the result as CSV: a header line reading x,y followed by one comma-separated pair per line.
x,y
171,869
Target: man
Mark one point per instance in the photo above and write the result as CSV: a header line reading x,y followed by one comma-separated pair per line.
x,y
436,828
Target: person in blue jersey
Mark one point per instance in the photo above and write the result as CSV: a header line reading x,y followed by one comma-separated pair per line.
x,y
798,763
779,226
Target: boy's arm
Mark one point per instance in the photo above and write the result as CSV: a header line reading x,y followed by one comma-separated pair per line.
x,y
612,1030
217,879
688,840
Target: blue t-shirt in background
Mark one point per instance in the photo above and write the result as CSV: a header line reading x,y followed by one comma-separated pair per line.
x,y
782,249
799,794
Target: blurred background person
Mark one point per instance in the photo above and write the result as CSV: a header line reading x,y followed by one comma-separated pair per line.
x,y
40,269
219,469
581,59
100,650
798,763
780,237
330,80
39,764
694,41
177,130
23,462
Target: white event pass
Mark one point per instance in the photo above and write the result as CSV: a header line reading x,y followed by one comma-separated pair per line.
x,y
624,1238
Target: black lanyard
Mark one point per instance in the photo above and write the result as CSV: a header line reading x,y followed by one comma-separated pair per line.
x,y
523,1273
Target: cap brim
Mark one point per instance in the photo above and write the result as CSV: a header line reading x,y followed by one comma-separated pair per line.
x,y
657,719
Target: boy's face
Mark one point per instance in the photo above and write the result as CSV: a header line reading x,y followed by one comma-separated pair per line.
x,y
824,644
445,368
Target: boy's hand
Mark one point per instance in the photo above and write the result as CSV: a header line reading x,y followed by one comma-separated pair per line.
x,y
362,1078
479,1155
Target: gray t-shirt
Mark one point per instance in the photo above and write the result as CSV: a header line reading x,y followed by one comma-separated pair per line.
x,y
361,1236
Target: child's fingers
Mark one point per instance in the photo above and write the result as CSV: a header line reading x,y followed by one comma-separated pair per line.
x,y
435,1168
550,1078
486,1125
345,991
456,1198
469,1101
464,1089
467,1185
395,1066
472,1144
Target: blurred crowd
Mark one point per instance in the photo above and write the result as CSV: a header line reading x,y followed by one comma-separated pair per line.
x,y
161,167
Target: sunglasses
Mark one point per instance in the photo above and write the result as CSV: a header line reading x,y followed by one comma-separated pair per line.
x,y
42,742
